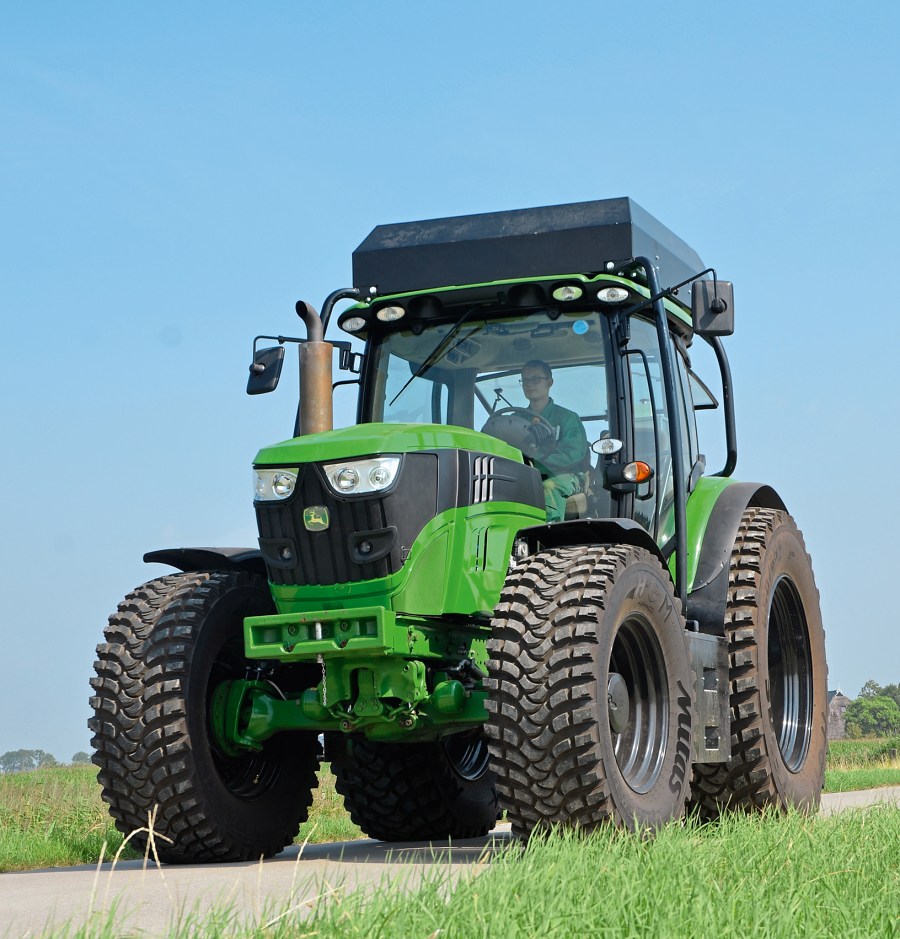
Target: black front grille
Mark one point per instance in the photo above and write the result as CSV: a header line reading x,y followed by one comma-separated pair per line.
x,y
389,523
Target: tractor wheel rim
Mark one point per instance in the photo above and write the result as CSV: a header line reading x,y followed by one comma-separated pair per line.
x,y
637,663
247,774
467,754
790,674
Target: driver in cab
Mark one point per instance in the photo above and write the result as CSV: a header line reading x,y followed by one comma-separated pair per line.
x,y
563,460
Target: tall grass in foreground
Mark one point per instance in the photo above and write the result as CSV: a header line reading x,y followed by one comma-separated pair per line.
x,y
744,876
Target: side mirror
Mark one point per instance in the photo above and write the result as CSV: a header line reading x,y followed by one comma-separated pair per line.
x,y
712,307
265,370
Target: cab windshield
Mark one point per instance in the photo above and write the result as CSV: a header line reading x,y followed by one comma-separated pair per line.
x,y
460,372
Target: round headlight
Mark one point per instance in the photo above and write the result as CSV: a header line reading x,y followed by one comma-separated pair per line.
x,y
364,476
273,484
283,485
347,479
379,476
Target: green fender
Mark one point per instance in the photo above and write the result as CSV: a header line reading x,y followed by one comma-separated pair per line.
x,y
714,513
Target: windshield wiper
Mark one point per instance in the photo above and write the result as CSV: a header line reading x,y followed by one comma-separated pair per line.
x,y
435,353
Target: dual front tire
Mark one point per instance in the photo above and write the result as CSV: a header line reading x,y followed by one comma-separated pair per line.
x,y
174,787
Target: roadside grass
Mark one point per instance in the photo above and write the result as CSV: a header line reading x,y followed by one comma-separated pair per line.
x,y
850,754
862,764
55,818
759,875
764,875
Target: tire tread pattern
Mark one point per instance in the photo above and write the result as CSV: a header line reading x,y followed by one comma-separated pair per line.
x,y
747,780
542,702
141,742
403,791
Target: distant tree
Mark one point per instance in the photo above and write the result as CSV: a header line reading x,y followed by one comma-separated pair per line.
x,y
20,761
80,758
877,716
892,691
12,761
871,689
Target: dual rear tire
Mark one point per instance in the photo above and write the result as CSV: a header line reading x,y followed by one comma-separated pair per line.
x,y
777,676
416,791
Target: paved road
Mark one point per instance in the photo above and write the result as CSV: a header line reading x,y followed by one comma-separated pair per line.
x,y
152,899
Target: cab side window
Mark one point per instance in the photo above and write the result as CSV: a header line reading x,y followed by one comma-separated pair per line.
x,y
685,413
650,427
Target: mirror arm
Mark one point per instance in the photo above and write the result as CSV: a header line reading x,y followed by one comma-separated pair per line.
x,y
728,407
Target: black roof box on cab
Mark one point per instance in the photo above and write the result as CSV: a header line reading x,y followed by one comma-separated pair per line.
x,y
579,238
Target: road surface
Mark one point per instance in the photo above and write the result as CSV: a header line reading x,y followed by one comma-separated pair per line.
x,y
152,900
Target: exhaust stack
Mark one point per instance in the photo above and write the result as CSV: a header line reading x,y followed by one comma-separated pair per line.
x,y
316,406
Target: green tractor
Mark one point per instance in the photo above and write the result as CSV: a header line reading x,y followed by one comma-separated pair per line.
x,y
468,622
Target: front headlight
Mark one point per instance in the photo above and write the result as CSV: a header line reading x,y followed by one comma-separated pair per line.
x,y
270,485
356,477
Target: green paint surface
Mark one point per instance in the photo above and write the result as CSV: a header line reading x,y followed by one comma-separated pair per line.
x,y
457,565
700,505
376,439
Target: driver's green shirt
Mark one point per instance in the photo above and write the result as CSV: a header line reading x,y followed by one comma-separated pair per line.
x,y
570,453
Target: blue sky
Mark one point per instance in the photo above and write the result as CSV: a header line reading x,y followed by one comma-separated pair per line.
x,y
174,178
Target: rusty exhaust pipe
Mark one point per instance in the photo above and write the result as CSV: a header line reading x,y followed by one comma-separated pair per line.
x,y
316,413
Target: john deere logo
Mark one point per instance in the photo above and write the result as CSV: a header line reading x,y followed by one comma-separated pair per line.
x,y
315,518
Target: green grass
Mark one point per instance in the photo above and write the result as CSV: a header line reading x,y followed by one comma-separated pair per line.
x,y
852,754
862,764
55,818
848,780
766,876
745,876
328,819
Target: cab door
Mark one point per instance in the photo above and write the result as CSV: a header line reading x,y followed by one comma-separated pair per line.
x,y
649,431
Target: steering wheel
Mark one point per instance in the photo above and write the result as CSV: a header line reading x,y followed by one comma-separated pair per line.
x,y
523,429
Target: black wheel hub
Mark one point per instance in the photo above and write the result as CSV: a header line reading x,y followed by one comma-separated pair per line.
x,y
617,702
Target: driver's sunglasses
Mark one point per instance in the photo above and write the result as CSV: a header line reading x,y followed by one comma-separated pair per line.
x,y
533,381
